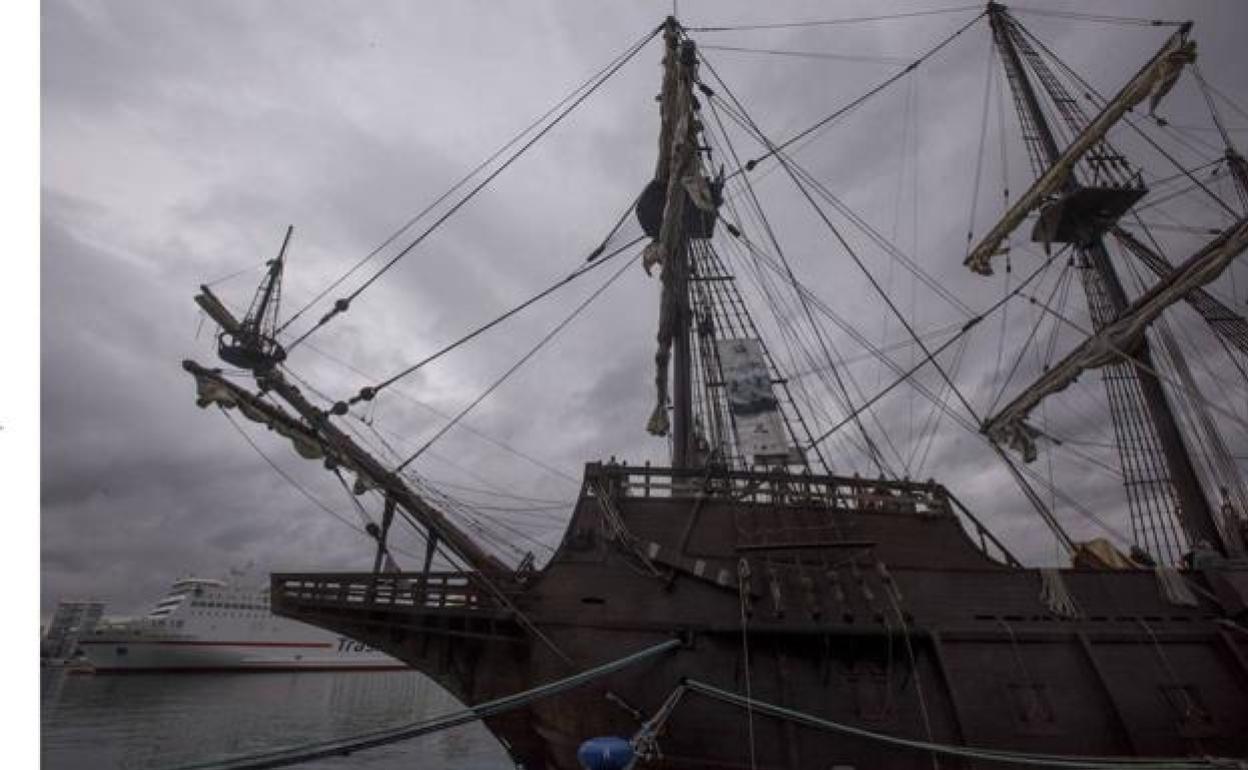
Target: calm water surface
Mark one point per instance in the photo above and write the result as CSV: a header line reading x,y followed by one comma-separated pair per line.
x,y
141,721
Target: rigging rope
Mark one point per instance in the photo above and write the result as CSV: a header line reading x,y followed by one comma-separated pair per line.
x,y
931,355
1125,20
344,746
368,393
1035,329
833,22
1091,91
773,149
789,165
874,452
1138,364
301,489
979,153
451,191
343,304
523,360
806,54
970,752
465,426
858,221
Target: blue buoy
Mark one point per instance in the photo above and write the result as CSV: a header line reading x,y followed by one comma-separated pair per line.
x,y
606,753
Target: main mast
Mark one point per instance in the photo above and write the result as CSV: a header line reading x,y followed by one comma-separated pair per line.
x,y
1105,287
669,211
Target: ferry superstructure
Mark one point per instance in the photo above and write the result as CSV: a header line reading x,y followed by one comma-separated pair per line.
x,y
204,624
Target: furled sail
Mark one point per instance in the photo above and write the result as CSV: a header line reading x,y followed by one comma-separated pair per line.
x,y
1155,75
1231,325
1117,339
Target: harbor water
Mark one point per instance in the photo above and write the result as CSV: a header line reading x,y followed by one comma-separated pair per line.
x,y
143,721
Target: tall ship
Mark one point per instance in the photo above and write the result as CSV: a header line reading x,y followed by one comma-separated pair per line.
x,y
803,597
205,624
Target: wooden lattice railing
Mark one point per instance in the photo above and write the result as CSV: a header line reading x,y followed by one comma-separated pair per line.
x,y
414,591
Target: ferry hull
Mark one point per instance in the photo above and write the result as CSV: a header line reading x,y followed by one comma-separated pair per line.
x,y
123,655
210,625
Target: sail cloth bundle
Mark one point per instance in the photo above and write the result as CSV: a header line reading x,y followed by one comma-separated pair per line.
x,y
1174,588
209,391
1156,78
1163,77
1056,596
660,203
680,203
1118,340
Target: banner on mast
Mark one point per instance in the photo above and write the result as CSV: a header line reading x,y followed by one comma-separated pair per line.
x,y
754,408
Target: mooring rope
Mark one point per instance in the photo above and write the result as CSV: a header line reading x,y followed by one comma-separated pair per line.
x,y
987,755
342,746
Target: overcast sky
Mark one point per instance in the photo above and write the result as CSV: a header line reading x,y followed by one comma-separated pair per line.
x,y
180,138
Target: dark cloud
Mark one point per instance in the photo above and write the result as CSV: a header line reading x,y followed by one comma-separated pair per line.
x,y
180,138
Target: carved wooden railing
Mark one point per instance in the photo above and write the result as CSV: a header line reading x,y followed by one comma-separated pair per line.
x,y
776,488
403,591
798,490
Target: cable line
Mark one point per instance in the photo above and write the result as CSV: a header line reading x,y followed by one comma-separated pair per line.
x,y
834,22
343,746
1127,119
983,754
523,360
302,490
806,54
451,191
343,304
428,407
775,148
369,393
1125,20
789,167
931,356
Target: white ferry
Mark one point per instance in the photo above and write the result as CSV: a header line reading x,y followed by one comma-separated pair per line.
x,y
209,625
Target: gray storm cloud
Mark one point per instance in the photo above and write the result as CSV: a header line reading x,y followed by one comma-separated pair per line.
x,y
180,138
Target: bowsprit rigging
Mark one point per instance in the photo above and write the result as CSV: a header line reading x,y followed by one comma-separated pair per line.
x,y
252,344
870,621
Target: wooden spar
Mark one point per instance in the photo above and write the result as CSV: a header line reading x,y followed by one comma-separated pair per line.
x,y
680,134
275,272
338,445
1055,177
1120,338
1223,320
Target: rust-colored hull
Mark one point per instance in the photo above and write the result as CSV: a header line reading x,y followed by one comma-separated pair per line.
x,y
866,605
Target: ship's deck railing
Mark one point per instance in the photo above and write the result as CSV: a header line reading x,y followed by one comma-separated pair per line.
x,y
797,490
396,590
776,488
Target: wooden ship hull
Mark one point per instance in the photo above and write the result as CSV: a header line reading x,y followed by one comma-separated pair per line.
x,y
866,603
